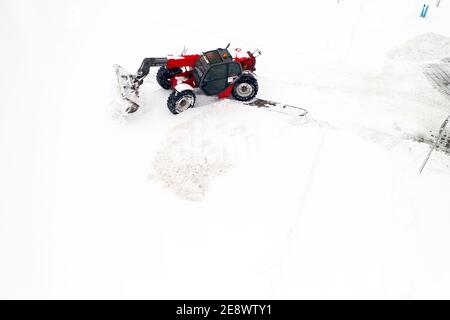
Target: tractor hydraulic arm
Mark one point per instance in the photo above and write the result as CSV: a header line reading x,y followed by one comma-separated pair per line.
x,y
144,69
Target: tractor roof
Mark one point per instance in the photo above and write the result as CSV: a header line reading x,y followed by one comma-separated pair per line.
x,y
217,56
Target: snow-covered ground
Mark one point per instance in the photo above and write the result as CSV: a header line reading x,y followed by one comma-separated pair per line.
x,y
223,200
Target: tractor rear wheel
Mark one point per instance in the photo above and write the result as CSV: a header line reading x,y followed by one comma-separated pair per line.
x,y
245,89
163,76
180,101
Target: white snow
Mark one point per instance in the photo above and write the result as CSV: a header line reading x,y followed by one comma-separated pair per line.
x,y
223,200
427,46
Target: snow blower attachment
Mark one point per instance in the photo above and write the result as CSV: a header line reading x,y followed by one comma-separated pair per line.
x,y
214,72
129,93
129,84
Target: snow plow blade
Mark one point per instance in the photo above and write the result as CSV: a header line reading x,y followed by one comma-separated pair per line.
x,y
128,89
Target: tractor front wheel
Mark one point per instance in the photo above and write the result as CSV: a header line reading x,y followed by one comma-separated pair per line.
x,y
163,76
245,89
180,101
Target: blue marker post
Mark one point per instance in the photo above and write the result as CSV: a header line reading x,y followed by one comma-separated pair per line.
x,y
422,14
426,11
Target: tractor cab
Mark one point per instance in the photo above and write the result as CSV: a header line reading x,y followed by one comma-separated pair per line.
x,y
215,70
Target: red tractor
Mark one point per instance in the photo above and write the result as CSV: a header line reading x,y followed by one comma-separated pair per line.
x,y
215,72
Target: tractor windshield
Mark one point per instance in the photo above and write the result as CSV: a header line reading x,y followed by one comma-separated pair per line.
x,y
217,56
200,68
213,57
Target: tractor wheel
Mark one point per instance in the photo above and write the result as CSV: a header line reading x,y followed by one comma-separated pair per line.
x,y
245,89
180,101
163,76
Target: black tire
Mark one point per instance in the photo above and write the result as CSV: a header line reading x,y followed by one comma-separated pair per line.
x,y
163,76
175,101
245,89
